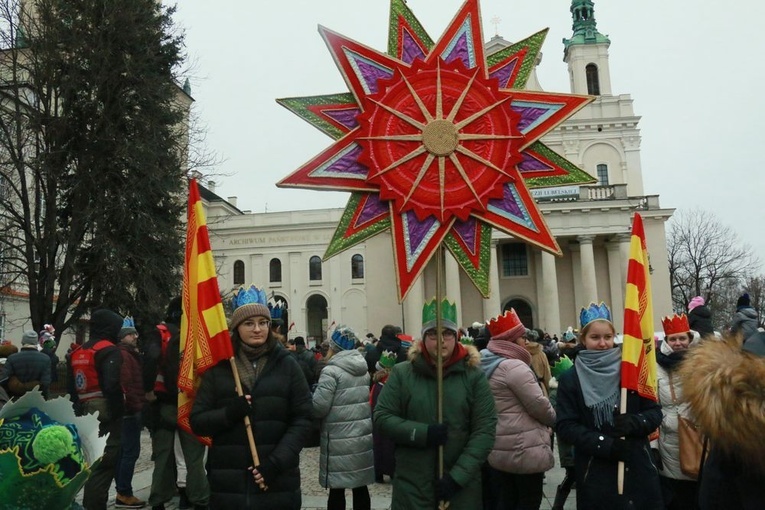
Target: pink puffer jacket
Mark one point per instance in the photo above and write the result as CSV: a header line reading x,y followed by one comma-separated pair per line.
x,y
522,445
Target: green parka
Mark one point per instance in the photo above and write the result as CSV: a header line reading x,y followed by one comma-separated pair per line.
x,y
407,405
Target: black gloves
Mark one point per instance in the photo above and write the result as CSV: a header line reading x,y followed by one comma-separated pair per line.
x,y
626,425
619,450
437,435
237,409
446,488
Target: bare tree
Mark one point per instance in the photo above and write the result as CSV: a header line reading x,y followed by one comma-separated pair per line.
x,y
706,258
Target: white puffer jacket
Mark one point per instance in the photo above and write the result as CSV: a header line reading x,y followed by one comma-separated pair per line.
x,y
669,446
341,401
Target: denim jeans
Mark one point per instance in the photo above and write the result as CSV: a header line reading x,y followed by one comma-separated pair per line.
x,y
130,448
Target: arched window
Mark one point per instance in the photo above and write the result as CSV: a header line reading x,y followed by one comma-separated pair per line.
x,y
314,268
238,272
357,266
602,175
275,271
593,82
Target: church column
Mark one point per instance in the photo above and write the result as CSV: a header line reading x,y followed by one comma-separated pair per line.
x,y
589,284
624,251
453,290
616,282
413,308
492,306
550,302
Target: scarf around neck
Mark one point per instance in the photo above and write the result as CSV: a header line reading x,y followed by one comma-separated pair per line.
x,y
509,350
250,362
458,353
599,377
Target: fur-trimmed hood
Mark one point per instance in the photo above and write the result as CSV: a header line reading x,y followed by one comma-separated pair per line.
x,y
725,388
473,358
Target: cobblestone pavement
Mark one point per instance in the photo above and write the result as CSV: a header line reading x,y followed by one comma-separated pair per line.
x,y
314,496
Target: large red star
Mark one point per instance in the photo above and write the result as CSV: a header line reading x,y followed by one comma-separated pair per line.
x,y
435,144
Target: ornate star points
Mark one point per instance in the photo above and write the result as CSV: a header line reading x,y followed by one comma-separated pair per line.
x,y
437,135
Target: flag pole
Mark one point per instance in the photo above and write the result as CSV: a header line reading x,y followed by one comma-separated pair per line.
x,y
442,505
620,467
247,422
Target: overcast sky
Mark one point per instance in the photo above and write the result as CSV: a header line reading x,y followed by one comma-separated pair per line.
x,y
695,71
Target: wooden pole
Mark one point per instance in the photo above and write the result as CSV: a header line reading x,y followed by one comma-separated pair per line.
x,y
442,505
247,423
620,468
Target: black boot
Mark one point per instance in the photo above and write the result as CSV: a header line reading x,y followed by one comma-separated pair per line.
x,y
561,494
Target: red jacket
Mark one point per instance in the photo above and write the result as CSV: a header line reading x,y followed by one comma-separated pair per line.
x,y
131,379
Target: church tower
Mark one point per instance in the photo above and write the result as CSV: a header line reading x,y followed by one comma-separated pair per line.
x,y
586,53
603,137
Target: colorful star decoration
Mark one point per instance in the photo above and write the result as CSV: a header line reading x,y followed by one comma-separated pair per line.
x,y
437,142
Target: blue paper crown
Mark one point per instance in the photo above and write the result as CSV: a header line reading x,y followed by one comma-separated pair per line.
x,y
253,295
594,313
276,309
128,322
344,337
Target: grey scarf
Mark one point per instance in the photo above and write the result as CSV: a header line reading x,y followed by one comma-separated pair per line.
x,y
599,376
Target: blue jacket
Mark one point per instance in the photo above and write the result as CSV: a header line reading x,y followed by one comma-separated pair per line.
x,y
30,365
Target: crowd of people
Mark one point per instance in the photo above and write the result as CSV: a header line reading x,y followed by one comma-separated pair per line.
x,y
468,416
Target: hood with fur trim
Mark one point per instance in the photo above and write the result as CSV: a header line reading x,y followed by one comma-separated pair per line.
x,y
725,389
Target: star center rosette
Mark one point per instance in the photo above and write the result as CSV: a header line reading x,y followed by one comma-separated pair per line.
x,y
437,139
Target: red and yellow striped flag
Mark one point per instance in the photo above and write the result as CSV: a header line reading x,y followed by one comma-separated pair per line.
x,y
204,332
639,348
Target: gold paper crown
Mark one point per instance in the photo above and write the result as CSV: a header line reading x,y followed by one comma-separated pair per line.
x,y
675,324
505,323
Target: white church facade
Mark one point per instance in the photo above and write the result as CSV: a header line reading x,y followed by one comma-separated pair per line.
x,y
282,251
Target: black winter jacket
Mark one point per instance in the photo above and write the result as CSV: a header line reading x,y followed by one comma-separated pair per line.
x,y
281,418
596,472
386,343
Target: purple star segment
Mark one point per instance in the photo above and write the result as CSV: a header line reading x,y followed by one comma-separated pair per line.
x,y
437,142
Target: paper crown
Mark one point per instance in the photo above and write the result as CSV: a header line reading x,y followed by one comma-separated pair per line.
x,y
253,295
448,315
560,366
467,340
128,322
506,325
344,338
248,303
276,309
594,313
387,359
406,340
675,324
